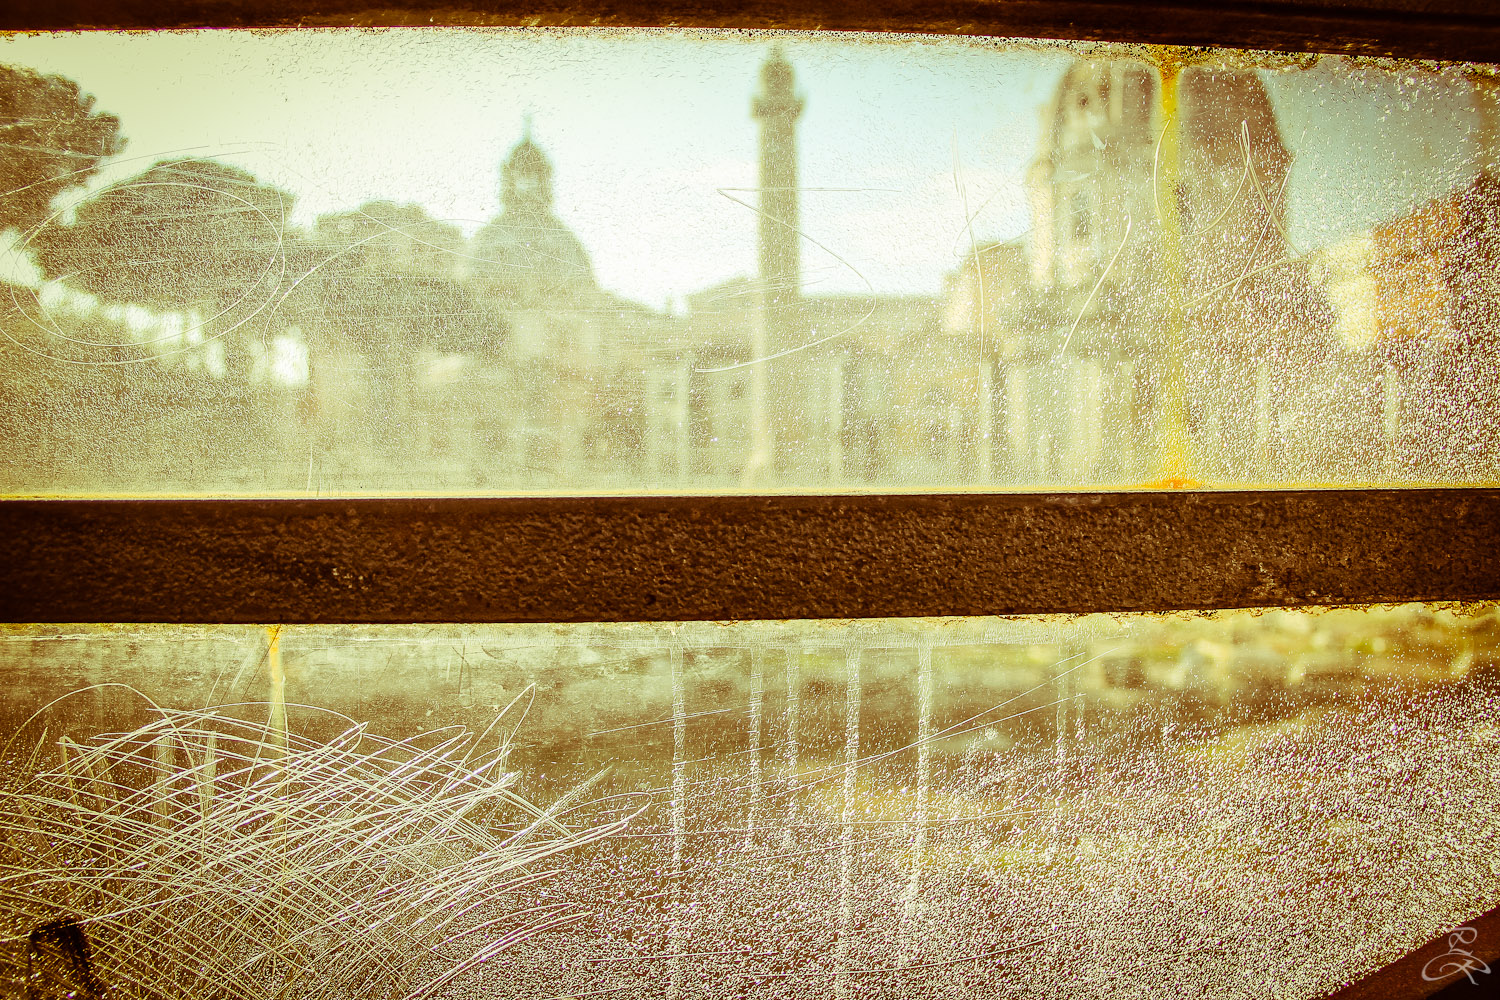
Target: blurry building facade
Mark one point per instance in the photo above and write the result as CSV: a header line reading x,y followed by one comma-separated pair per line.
x,y
1136,293
1416,302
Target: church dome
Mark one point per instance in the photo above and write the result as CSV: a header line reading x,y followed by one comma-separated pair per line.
x,y
526,177
527,155
528,254
533,259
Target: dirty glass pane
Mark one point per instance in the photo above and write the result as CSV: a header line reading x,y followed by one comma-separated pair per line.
x,y
462,261
1238,804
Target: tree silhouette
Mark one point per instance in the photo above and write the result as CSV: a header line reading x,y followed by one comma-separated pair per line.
x,y
386,280
189,234
386,284
52,140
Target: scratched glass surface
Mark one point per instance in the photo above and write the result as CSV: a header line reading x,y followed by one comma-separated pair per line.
x,y
1234,805
497,262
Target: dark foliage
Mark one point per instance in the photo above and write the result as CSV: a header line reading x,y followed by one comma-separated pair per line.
x,y
184,233
52,138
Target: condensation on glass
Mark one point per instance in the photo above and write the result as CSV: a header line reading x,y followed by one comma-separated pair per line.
x,y
323,263
1223,805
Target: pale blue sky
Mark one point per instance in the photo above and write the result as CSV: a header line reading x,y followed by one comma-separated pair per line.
x,y
650,134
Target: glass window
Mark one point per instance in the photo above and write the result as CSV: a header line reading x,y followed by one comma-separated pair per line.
x,y
263,263
959,807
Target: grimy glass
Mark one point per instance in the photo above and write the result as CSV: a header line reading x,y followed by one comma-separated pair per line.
x,y
262,263
352,265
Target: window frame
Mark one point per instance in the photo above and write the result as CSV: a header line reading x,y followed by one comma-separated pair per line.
x,y
1464,30
570,559
709,558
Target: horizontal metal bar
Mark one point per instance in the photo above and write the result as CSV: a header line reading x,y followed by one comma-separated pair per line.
x,y
1455,29
709,558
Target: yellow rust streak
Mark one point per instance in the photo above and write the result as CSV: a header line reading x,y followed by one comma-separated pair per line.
x,y
1174,447
278,688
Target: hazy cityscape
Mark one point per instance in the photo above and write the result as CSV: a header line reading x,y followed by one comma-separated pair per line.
x,y
185,328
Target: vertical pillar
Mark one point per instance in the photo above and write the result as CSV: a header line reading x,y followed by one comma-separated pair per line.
x,y
984,470
852,693
777,108
924,772
1263,420
834,425
757,707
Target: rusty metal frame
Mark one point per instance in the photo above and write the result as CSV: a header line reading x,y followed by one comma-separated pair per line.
x,y
1420,29
722,557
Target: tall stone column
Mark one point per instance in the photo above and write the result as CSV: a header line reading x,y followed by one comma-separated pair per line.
x,y
777,108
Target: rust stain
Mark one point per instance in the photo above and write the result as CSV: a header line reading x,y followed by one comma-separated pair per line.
x,y
1175,457
1172,483
714,558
